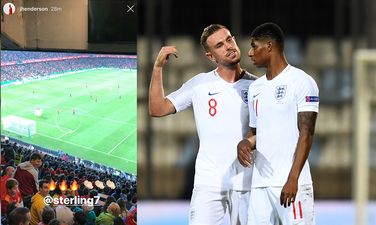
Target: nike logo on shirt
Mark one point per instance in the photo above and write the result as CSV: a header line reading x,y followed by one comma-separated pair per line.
x,y
254,96
214,93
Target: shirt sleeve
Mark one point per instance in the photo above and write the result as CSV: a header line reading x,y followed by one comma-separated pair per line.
x,y
307,95
182,98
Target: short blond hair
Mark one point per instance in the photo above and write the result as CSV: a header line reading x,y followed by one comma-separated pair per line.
x,y
114,209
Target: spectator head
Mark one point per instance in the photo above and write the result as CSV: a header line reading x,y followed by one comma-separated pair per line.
x,y
93,193
107,190
36,160
134,199
87,208
43,187
9,171
86,191
79,218
12,186
19,216
108,201
62,178
48,214
114,209
48,177
121,203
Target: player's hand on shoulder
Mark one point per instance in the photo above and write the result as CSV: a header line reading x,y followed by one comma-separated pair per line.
x,y
245,153
164,55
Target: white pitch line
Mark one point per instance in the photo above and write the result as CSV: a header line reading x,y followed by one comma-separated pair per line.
x,y
82,146
121,141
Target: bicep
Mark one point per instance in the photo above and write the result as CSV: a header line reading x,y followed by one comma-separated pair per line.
x,y
170,108
163,108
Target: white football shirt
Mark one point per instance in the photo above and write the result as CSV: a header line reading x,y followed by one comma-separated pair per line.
x,y
274,106
221,114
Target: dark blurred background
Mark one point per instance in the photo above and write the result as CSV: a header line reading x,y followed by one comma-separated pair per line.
x,y
321,38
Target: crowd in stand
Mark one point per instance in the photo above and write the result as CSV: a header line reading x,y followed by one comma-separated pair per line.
x,y
34,70
29,176
20,56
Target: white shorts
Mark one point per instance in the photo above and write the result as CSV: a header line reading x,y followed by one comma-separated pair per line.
x,y
265,207
209,206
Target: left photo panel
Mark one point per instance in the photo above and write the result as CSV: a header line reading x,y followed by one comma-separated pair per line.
x,y
69,112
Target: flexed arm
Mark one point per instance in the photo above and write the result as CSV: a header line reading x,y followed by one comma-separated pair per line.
x,y
159,105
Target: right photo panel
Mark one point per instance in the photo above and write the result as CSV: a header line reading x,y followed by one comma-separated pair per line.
x,y
243,99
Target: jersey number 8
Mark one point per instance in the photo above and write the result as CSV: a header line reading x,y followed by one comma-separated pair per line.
x,y
212,104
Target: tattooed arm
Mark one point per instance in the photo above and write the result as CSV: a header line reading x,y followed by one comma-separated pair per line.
x,y
306,125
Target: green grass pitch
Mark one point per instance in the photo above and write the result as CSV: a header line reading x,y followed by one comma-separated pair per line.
x,y
89,114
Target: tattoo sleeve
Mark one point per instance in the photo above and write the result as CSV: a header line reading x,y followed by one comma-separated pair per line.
x,y
307,122
306,125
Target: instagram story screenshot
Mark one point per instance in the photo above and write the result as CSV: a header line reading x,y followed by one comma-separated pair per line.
x,y
68,112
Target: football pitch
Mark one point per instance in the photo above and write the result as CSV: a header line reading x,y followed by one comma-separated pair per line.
x,y
88,114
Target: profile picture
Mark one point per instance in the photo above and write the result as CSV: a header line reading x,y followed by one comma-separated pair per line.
x,y
9,9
